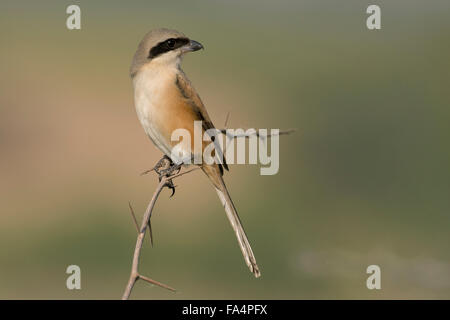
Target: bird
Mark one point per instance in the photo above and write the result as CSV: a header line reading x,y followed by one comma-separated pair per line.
x,y
165,100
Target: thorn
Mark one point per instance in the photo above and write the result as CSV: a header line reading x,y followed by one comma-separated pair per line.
x,y
150,232
171,187
147,171
226,119
134,217
154,282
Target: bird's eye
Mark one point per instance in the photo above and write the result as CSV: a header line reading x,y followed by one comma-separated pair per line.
x,y
171,43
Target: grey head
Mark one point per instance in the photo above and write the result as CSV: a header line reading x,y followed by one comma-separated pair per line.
x,y
162,46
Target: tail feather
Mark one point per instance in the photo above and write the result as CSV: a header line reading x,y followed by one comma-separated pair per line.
x,y
239,230
214,174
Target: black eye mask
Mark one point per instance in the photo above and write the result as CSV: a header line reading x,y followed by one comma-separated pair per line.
x,y
166,46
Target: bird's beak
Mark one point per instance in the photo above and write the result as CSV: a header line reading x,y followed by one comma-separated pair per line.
x,y
193,46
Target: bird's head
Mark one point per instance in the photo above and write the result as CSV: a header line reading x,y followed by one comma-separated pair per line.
x,y
162,47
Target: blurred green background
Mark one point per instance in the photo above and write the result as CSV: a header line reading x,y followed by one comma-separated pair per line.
x,y
364,180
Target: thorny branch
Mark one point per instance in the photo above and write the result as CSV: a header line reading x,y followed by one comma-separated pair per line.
x,y
167,171
165,181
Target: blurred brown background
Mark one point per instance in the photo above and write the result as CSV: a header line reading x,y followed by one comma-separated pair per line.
x,y
365,179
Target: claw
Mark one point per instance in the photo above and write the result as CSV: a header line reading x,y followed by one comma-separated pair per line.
x,y
173,191
171,186
166,168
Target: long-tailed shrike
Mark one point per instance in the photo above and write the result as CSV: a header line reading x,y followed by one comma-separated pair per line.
x,y
165,100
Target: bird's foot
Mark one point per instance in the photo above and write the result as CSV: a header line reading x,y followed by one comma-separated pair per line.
x,y
170,171
163,164
166,168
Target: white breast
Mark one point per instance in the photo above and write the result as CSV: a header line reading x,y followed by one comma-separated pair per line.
x,y
149,87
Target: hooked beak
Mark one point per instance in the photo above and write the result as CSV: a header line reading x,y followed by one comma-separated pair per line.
x,y
193,46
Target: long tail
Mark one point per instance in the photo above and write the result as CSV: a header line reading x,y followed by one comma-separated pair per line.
x,y
233,217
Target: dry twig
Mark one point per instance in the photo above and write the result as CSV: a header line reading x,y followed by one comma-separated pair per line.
x,y
135,275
